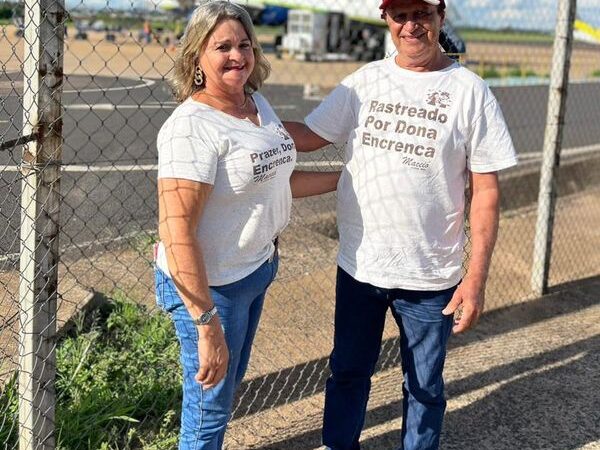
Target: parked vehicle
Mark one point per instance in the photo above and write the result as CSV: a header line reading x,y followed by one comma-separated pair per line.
x,y
319,30
273,15
327,35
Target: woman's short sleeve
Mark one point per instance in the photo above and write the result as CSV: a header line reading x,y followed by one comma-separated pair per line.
x,y
187,150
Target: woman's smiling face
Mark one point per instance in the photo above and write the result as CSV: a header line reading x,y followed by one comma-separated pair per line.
x,y
227,59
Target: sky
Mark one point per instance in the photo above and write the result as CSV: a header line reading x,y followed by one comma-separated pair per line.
x,y
521,14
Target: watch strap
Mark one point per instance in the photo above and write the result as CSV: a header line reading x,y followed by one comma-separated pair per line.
x,y
206,317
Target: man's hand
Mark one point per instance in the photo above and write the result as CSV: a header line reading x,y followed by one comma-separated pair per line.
x,y
468,298
467,302
213,354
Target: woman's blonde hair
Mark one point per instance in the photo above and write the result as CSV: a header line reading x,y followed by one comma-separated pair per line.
x,y
203,21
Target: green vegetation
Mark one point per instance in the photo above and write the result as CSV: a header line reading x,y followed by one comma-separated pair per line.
x,y
596,73
143,243
518,72
118,383
8,10
492,71
9,413
269,30
505,36
488,72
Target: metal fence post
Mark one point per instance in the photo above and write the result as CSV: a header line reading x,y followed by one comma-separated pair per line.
x,y
40,201
559,81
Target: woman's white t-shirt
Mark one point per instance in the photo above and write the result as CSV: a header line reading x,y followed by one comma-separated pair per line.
x,y
249,167
411,138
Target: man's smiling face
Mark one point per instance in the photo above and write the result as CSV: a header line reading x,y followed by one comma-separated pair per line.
x,y
415,27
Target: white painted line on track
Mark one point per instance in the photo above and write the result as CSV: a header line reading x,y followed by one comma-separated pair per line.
x,y
144,83
319,164
528,157
153,105
576,151
111,168
110,107
523,157
151,167
90,168
12,258
171,103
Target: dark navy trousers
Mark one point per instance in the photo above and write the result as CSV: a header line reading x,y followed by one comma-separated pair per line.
x,y
359,321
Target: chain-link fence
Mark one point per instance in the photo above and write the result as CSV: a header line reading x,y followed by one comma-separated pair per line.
x,y
78,201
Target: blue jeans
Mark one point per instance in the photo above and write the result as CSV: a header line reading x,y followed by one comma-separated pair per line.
x,y
205,413
359,320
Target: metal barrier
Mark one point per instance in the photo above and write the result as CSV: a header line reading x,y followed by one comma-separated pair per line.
x,y
87,361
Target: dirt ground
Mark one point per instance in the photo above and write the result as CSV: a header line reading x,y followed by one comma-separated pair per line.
x,y
126,57
281,399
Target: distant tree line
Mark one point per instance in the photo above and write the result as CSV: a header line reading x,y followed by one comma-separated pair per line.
x,y
8,10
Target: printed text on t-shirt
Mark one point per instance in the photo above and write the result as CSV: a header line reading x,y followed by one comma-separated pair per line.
x,y
415,136
265,163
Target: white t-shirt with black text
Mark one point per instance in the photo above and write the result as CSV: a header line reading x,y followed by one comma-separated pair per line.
x,y
411,138
249,167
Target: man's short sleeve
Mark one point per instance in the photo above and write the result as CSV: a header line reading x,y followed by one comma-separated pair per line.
x,y
336,116
184,152
490,146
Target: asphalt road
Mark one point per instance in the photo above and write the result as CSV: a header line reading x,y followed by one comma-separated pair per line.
x,y
110,127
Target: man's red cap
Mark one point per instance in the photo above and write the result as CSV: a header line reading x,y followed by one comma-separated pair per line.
x,y
386,3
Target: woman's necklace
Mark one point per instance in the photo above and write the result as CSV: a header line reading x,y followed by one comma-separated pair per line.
x,y
239,108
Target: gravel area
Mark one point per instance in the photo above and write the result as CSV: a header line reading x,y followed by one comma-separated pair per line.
x,y
525,378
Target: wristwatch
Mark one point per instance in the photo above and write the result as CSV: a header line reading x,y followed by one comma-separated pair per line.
x,y
206,317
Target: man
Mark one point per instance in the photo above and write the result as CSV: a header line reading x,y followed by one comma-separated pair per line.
x,y
417,126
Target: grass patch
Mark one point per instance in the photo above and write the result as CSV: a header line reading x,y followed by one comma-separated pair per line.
x,y
488,72
520,73
9,413
271,30
144,242
596,73
485,71
512,36
118,383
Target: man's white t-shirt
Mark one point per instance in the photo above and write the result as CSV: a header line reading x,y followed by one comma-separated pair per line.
x,y
249,167
411,138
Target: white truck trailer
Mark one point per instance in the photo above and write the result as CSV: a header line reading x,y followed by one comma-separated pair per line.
x,y
344,29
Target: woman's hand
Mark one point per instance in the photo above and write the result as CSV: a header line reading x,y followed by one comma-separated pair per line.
x,y
213,354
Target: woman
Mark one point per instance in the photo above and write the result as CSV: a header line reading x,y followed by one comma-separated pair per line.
x,y
225,169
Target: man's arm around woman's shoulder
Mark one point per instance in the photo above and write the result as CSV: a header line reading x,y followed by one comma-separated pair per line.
x,y
305,183
305,139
